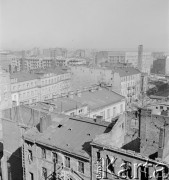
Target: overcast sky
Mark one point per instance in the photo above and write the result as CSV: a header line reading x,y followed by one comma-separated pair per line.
x,y
84,23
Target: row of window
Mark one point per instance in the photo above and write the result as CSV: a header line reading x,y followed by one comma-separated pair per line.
x,y
24,86
80,167
27,94
103,114
128,78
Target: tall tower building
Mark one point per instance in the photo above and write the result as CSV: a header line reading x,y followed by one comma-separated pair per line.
x,y
140,57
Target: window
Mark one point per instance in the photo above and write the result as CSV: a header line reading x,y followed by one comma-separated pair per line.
x,y
108,113
98,156
44,172
102,114
67,162
80,166
121,108
72,114
31,176
44,153
30,156
55,157
114,111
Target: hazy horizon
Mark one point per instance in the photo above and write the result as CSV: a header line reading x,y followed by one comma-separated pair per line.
x,y
86,24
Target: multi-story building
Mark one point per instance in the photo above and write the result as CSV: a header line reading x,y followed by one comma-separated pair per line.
x,y
124,155
5,95
160,66
61,149
27,88
132,57
15,121
91,102
116,56
126,81
76,61
15,63
130,83
5,60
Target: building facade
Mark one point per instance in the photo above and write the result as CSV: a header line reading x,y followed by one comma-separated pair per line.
x,y
94,102
27,88
66,156
160,66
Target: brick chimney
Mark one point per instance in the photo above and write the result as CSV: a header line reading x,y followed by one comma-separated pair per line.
x,y
44,123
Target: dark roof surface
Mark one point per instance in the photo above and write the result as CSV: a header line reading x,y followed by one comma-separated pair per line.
x,y
73,134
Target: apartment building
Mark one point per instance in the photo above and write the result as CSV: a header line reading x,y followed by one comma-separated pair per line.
x,y
91,102
61,148
15,122
5,60
132,57
27,88
123,154
125,80
116,56
160,66
15,63
130,83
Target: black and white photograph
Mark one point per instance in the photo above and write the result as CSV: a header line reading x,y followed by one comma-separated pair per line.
x,y
84,89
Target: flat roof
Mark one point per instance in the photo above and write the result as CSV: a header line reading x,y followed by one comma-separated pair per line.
x,y
100,98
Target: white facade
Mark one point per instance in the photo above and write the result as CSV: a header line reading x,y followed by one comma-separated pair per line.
x,y
109,112
132,57
31,91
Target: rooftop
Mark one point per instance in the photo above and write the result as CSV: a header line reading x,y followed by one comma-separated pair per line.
x,y
35,74
72,135
101,97
127,71
58,106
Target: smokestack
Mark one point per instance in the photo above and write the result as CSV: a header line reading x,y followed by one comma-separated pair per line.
x,y
161,143
140,57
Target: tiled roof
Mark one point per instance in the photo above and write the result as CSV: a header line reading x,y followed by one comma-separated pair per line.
x,y
69,134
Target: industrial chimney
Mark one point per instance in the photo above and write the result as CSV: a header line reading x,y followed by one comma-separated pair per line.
x,y
140,57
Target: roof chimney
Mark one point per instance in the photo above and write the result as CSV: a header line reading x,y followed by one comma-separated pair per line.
x,y
161,143
71,94
79,93
98,118
44,123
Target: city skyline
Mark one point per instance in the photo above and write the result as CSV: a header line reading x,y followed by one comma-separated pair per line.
x,y
84,24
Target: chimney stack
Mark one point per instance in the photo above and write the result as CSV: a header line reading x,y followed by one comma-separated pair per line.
x,y
71,94
79,93
161,143
44,123
98,118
